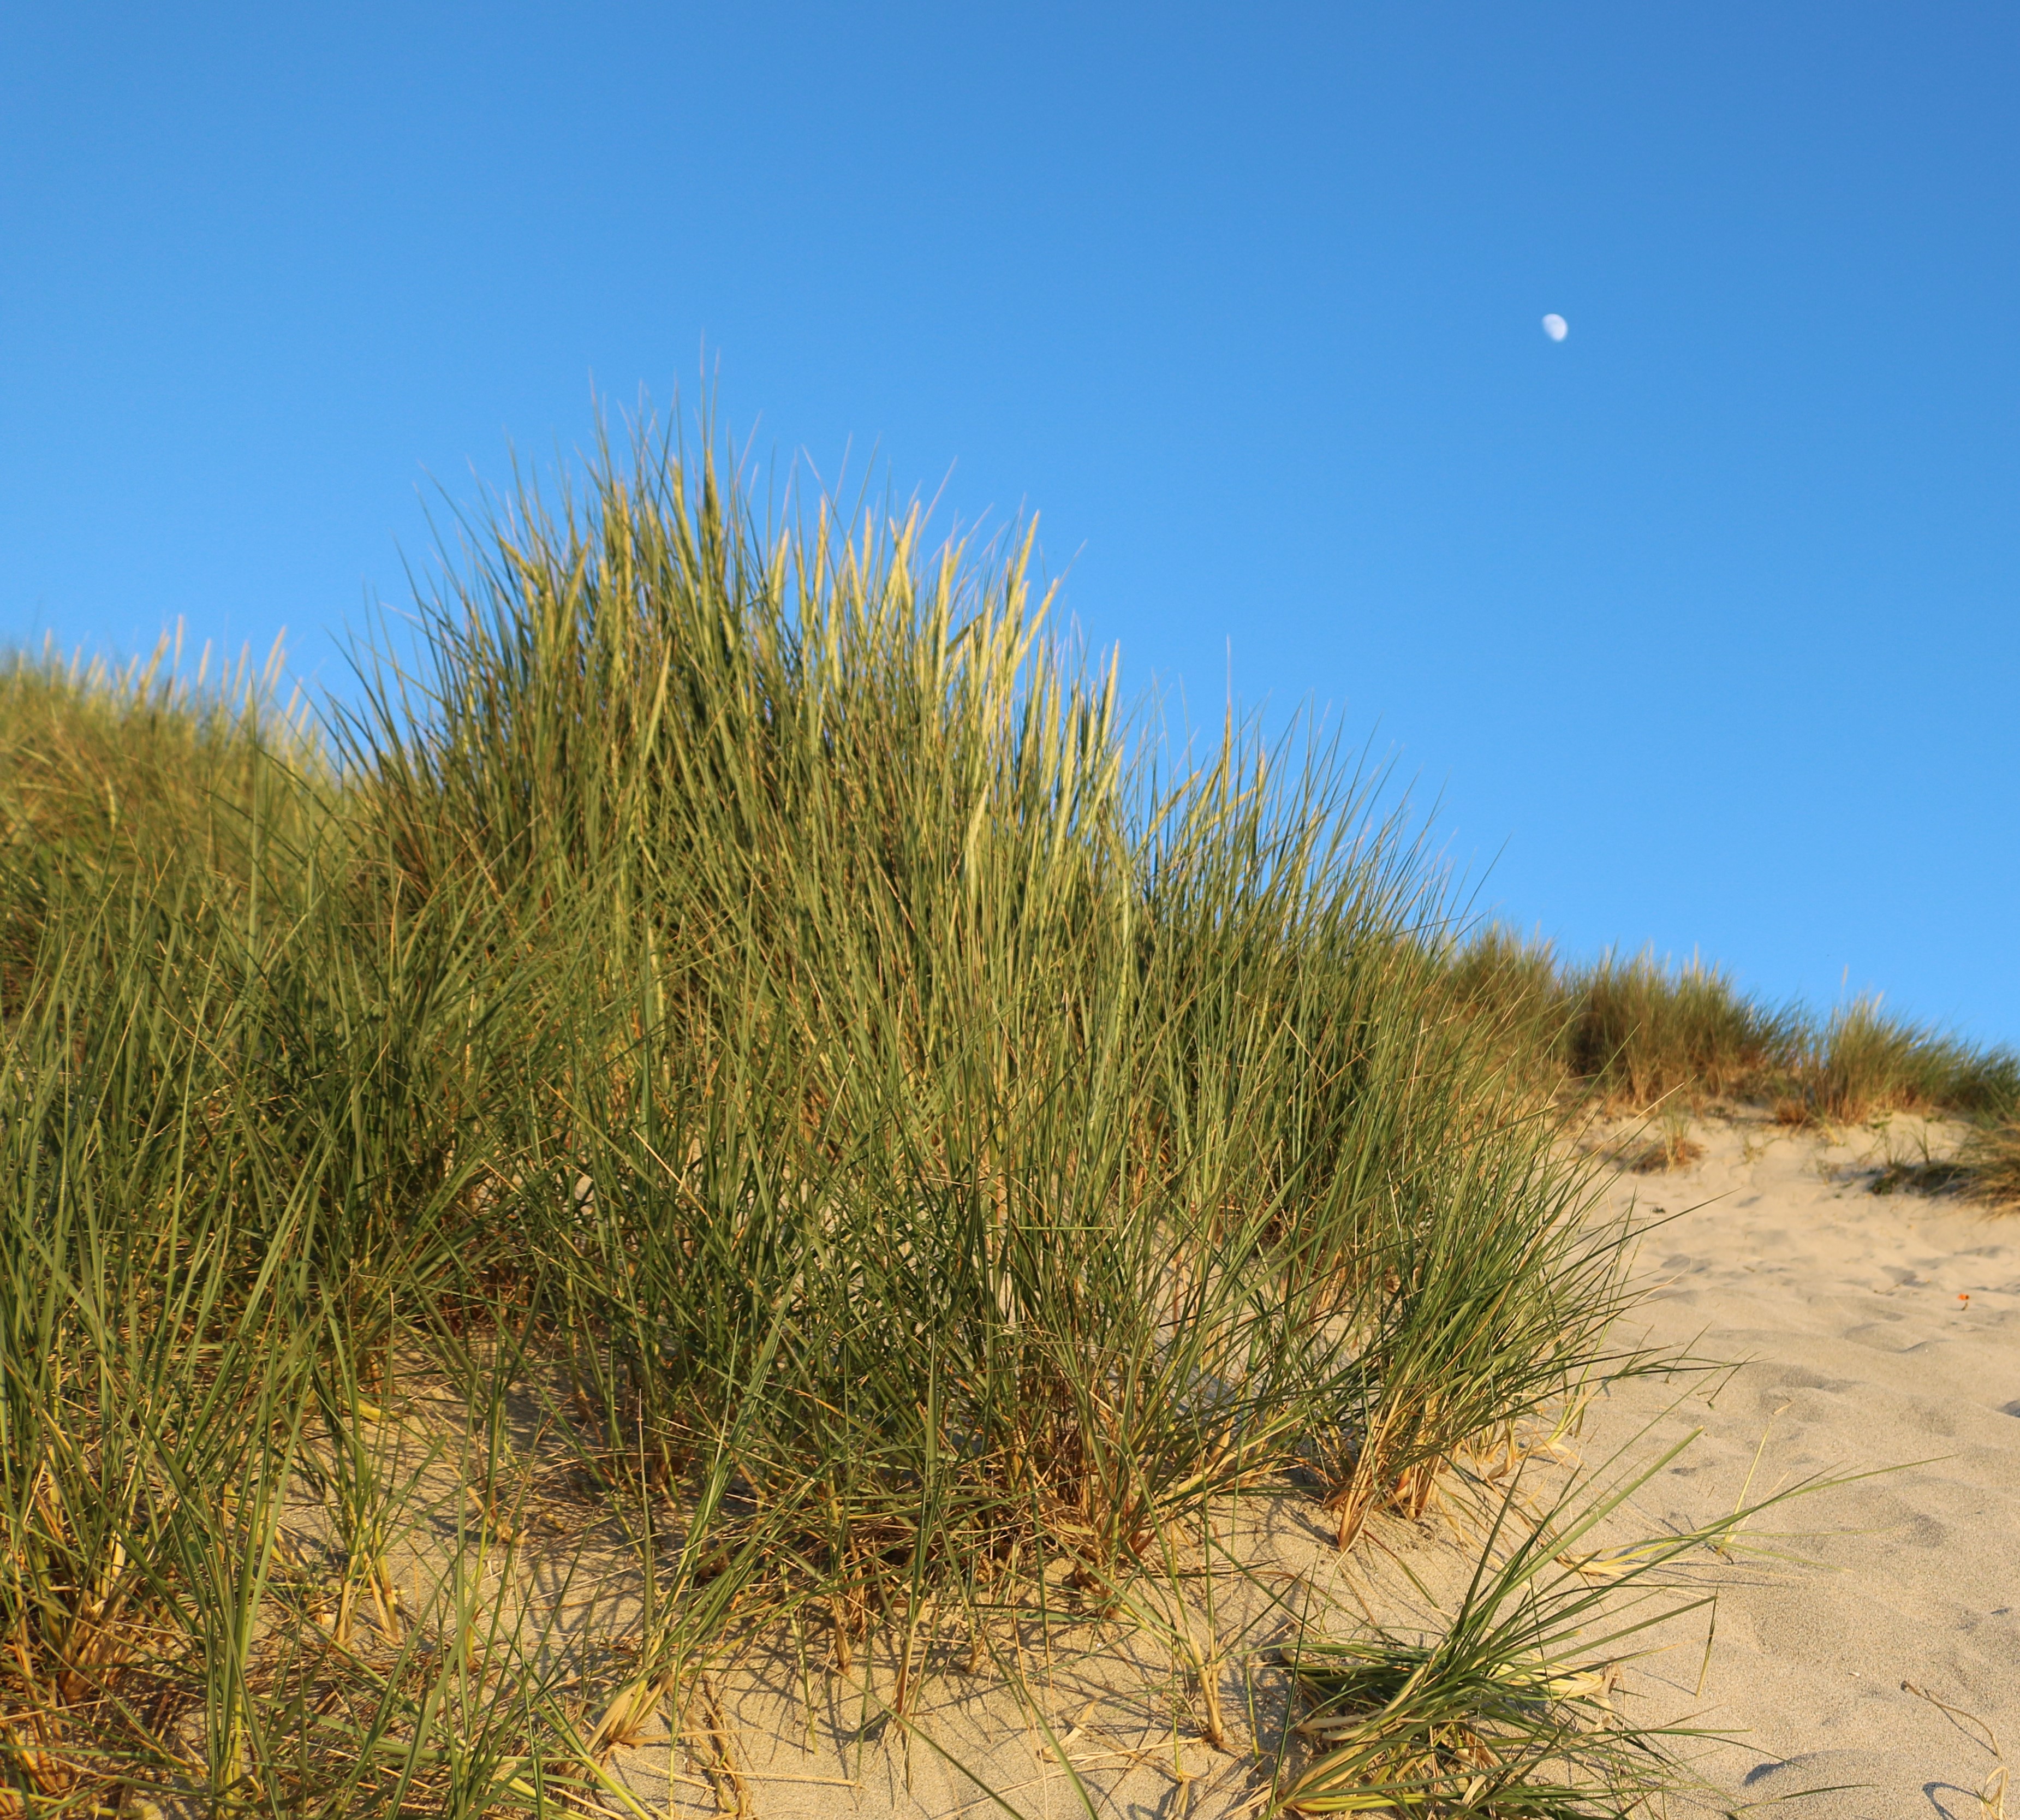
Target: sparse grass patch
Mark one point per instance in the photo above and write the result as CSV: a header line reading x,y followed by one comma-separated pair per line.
x,y
1671,1147
1513,1705
1932,1177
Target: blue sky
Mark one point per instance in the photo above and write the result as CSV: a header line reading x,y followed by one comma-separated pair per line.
x,y
1701,625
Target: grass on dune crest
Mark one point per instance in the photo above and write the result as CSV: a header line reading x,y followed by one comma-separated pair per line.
x,y
735,1064
1636,1032
106,773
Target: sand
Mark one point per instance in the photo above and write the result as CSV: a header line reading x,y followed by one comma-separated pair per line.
x,y
1866,1640
1874,1331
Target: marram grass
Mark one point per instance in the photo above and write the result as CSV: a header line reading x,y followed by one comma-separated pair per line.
x,y
740,1049
1637,1032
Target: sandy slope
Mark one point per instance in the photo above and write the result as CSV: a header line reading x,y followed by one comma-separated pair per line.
x,y
1845,1313
1878,1331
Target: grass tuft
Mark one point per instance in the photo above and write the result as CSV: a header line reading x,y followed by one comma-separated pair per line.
x,y
1638,1035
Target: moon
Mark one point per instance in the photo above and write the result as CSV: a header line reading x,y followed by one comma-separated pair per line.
x,y
1555,327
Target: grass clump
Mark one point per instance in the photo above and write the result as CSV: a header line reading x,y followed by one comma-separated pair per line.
x,y
1868,1062
735,1057
1639,1033
1992,1160
1632,1032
